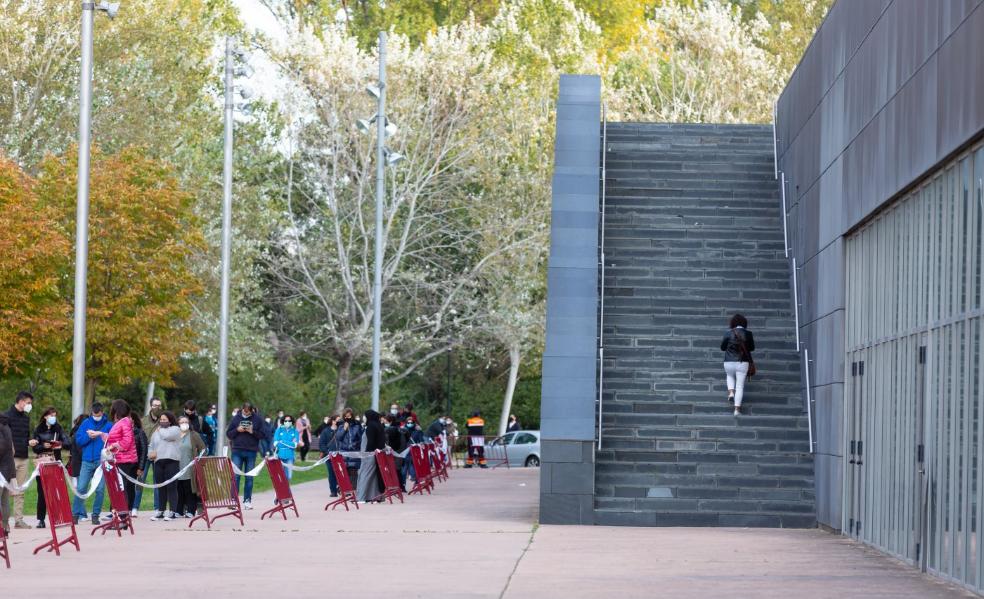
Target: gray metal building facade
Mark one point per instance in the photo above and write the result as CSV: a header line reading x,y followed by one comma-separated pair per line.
x,y
878,151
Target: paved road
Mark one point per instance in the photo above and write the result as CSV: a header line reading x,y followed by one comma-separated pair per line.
x,y
475,537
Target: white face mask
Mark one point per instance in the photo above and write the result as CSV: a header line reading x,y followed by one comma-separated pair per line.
x,y
394,411
97,418
184,426
28,408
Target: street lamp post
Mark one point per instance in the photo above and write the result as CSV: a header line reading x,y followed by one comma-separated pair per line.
x,y
377,274
82,204
226,250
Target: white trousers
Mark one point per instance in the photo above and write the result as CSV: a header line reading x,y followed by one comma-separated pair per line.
x,y
737,373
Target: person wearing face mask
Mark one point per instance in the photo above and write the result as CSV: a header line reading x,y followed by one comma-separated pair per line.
x,y
20,429
213,424
89,438
304,433
245,432
191,445
414,435
165,451
370,484
196,422
350,439
408,413
396,439
395,415
121,441
328,443
50,439
149,427
143,443
285,442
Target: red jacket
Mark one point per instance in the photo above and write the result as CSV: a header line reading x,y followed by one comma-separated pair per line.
x,y
122,434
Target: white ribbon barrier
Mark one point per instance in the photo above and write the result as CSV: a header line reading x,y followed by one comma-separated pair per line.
x,y
17,489
161,484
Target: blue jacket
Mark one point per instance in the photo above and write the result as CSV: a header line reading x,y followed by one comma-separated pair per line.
x,y
91,448
350,440
285,440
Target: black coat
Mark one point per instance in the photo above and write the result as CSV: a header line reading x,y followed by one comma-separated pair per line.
x,y
7,467
140,439
20,430
729,345
396,438
46,434
375,435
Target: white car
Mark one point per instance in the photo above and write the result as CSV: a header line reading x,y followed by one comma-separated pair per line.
x,y
522,447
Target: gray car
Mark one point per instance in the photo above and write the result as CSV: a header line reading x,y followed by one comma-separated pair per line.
x,y
522,447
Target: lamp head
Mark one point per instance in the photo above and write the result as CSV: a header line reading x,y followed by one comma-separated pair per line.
x,y
364,125
394,158
110,8
374,90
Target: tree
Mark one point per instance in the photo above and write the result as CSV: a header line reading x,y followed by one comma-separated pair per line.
x,y
792,24
142,235
33,319
701,64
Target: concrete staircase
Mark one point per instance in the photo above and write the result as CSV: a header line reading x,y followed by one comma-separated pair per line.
x,y
693,233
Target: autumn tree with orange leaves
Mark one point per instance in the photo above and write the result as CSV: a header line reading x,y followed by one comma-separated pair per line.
x,y
142,236
33,316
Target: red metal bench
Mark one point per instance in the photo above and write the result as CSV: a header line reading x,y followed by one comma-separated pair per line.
x,y
281,487
391,482
345,491
119,505
217,485
59,508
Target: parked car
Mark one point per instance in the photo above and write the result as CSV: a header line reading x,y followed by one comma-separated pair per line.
x,y
522,447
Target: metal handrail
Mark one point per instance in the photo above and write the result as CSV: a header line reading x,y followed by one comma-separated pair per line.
x,y
785,233
796,304
601,270
775,140
809,397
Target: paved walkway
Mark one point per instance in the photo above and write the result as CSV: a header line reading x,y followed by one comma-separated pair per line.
x,y
475,537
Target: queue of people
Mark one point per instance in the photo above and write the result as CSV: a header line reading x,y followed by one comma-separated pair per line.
x,y
167,443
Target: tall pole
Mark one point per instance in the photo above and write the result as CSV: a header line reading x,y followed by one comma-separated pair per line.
x,y
377,275
226,252
448,412
82,215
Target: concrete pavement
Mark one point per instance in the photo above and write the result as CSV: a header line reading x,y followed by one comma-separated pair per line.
x,y
475,537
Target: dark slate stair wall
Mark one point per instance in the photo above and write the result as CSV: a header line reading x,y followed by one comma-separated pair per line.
x,y
693,233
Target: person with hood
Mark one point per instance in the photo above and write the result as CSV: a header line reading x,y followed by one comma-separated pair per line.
x,y
285,442
328,443
121,441
370,485
149,426
245,432
20,429
50,440
89,438
350,439
7,468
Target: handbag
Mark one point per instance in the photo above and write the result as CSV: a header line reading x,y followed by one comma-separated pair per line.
x,y
744,353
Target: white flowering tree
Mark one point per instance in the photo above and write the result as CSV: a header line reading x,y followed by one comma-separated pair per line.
x,y
700,64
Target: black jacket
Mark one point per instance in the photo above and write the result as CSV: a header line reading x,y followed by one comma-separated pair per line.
x,y
20,429
246,441
435,429
375,436
396,438
45,434
7,467
729,345
140,440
